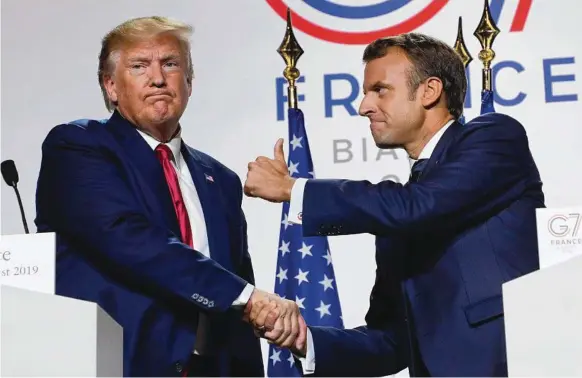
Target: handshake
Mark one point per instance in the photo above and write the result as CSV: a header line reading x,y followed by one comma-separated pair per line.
x,y
277,320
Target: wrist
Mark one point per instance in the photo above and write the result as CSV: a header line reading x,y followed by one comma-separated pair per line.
x,y
288,188
249,305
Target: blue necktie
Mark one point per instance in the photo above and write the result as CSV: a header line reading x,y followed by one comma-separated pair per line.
x,y
417,169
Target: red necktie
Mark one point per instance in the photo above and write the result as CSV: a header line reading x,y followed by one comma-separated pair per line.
x,y
165,156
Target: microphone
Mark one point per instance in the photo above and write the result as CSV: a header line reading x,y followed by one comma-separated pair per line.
x,y
10,175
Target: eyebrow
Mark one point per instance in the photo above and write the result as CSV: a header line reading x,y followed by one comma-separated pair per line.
x,y
144,58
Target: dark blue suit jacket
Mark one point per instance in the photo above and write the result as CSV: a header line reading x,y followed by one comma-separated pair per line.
x,y
444,247
103,191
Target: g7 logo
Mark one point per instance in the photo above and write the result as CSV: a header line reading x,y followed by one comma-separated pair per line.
x,y
561,225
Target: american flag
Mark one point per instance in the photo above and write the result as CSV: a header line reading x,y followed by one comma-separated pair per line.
x,y
487,104
304,267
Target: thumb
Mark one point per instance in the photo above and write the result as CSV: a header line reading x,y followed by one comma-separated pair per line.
x,y
279,154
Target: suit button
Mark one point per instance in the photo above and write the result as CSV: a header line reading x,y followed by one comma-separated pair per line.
x,y
179,367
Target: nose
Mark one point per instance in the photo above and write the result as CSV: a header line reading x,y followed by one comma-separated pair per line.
x,y
367,106
157,75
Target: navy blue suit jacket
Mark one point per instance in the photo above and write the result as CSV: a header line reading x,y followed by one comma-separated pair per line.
x,y
444,247
103,191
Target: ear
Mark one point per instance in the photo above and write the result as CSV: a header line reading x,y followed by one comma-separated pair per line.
x,y
110,87
432,93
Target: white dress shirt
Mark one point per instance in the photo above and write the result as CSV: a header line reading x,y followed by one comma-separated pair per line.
x,y
193,205
295,216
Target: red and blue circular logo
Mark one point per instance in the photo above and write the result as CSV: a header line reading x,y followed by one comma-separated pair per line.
x,y
335,21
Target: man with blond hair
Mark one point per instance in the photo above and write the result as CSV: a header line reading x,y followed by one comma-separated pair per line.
x,y
148,227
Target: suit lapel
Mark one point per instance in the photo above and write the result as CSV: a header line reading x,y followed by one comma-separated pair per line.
x,y
144,159
210,198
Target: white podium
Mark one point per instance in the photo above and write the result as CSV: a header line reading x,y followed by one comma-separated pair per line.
x,y
543,321
44,335
47,335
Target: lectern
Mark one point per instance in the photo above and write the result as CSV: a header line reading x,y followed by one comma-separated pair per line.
x,y
543,321
46,335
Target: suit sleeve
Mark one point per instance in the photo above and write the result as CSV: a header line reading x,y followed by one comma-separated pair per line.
x,y
84,197
378,349
485,171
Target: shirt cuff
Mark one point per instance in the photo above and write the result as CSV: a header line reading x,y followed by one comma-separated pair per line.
x,y
244,296
296,204
308,362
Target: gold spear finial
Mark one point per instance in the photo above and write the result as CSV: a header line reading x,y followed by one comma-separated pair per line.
x,y
290,51
486,32
461,47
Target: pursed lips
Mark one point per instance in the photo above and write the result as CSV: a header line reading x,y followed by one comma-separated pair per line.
x,y
159,94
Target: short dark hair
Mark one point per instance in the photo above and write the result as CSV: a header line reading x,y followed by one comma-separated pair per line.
x,y
430,57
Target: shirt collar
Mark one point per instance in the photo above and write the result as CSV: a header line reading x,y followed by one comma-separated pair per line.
x,y
174,144
432,143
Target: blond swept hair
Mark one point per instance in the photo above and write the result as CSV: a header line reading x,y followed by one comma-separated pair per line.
x,y
135,30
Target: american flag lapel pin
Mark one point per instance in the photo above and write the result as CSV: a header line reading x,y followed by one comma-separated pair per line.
x,y
208,177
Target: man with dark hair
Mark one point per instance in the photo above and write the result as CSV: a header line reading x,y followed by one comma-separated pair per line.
x,y
446,241
441,61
